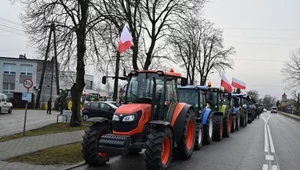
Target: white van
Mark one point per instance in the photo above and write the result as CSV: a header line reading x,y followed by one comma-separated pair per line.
x,y
5,105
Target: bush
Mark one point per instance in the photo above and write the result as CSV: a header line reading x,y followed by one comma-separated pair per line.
x,y
14,102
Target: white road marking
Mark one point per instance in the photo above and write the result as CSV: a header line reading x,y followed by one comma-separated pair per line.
x,y
270,157
271,140
274,167
265,167
266,140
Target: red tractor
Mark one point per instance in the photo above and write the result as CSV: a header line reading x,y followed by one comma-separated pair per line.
x,y
151,118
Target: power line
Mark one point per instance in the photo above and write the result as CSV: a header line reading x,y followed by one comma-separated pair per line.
x,y
9,21
263,29
275,38
249,59
255,43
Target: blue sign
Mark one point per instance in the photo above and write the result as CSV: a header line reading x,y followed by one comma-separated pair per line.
x,y
26,97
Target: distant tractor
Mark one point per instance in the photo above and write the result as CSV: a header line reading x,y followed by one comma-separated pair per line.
x,y
195,96
64,101
151,117
222,112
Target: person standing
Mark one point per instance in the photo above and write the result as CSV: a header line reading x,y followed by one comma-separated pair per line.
x,y
49,106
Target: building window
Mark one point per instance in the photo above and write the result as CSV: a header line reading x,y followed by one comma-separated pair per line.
x,y
26,69
9,68
8,88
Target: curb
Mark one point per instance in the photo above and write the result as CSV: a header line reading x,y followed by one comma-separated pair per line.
x,y
74,166
290,116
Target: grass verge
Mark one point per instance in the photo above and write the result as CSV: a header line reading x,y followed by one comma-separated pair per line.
x,y
49,129
58,155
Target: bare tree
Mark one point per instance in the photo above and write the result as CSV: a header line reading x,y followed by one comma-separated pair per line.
x,y
75,22
254,95
291,71
268,101
200,47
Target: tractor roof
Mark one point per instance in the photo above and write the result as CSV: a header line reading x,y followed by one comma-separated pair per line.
x,y
237,95
193,87
170,73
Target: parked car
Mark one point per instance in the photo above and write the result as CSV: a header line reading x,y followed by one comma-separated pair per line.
x,y
98,109
274,109
5,105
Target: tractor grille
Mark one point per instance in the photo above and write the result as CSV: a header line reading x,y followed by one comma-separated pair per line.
x,y
120,126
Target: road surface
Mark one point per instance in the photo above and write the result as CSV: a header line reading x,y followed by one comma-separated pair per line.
x,y
13,123
269,143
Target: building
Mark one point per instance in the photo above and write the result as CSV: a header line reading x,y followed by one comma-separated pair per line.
x,y
68,78
16,70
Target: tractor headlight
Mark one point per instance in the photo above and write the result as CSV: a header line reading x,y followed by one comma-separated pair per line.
x,y
116,118
129,118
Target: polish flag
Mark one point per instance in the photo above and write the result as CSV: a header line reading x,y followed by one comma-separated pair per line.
x,y
225,83
238,83
125,40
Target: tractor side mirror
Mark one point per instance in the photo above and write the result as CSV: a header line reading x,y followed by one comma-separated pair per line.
x,y
183,82
104,80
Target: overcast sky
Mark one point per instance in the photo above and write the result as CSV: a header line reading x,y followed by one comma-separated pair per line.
x,y
263,32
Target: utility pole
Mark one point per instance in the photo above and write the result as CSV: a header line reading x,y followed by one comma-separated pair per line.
x,y
55,59
43,72
115,95
51,86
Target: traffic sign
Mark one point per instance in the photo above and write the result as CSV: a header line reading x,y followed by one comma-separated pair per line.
x,y
27,83
27,97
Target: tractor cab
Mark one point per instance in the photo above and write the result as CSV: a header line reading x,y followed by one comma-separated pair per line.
x,y
216,98
155,89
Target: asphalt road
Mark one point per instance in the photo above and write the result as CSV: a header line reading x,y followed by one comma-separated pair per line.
x,y
13,123
269,143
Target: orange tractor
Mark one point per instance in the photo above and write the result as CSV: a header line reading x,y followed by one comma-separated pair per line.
x,y
150,118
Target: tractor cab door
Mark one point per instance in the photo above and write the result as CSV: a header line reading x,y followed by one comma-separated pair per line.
x,y
171,97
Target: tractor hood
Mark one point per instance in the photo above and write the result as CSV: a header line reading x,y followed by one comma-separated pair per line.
x,y
132,108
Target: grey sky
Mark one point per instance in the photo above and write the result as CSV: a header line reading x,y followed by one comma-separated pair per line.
x,y
263,33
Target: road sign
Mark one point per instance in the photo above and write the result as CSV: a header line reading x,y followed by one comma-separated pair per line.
x,y
27,83
27,97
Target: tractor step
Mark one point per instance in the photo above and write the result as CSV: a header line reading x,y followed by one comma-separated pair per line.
x,y
114,144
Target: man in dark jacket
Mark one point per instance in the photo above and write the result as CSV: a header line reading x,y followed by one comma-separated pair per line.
x,y
49,106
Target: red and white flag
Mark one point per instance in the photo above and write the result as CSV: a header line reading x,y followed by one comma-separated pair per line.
x,y
238,83
125,40
225,83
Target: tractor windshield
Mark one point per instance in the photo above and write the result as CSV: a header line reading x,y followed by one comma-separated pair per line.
x,y
140,86
189,96
212,99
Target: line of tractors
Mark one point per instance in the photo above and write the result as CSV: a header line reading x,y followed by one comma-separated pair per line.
x,y
167,118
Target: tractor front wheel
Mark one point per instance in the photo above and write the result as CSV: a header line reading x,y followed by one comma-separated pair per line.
x,y
227,125
218,128
233,124
159,147
90,142
208,130
199,137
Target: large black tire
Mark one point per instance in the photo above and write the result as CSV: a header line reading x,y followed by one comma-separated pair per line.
x,y
238,122
227,123
9,110
250,117
154,148
90,144
0,110
208,130
199,137
184,149
218,128
233,124
246,118
242,120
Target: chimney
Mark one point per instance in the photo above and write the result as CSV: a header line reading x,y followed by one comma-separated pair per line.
x,y
21,56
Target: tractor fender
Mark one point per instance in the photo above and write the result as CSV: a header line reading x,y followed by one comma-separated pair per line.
x,y
179,122
218,113
159,123
98,120
205,114
244,106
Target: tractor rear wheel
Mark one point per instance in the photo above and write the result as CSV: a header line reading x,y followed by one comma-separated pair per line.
x,y
243,120
199,136
233,124
227,125
218,128
208,130
238,122
159,147
90,144
185,148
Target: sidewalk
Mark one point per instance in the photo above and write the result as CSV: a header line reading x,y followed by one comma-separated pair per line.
x,y
291,115
31,144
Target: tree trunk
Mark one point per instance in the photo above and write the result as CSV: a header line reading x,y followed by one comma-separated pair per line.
x,y
81,48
